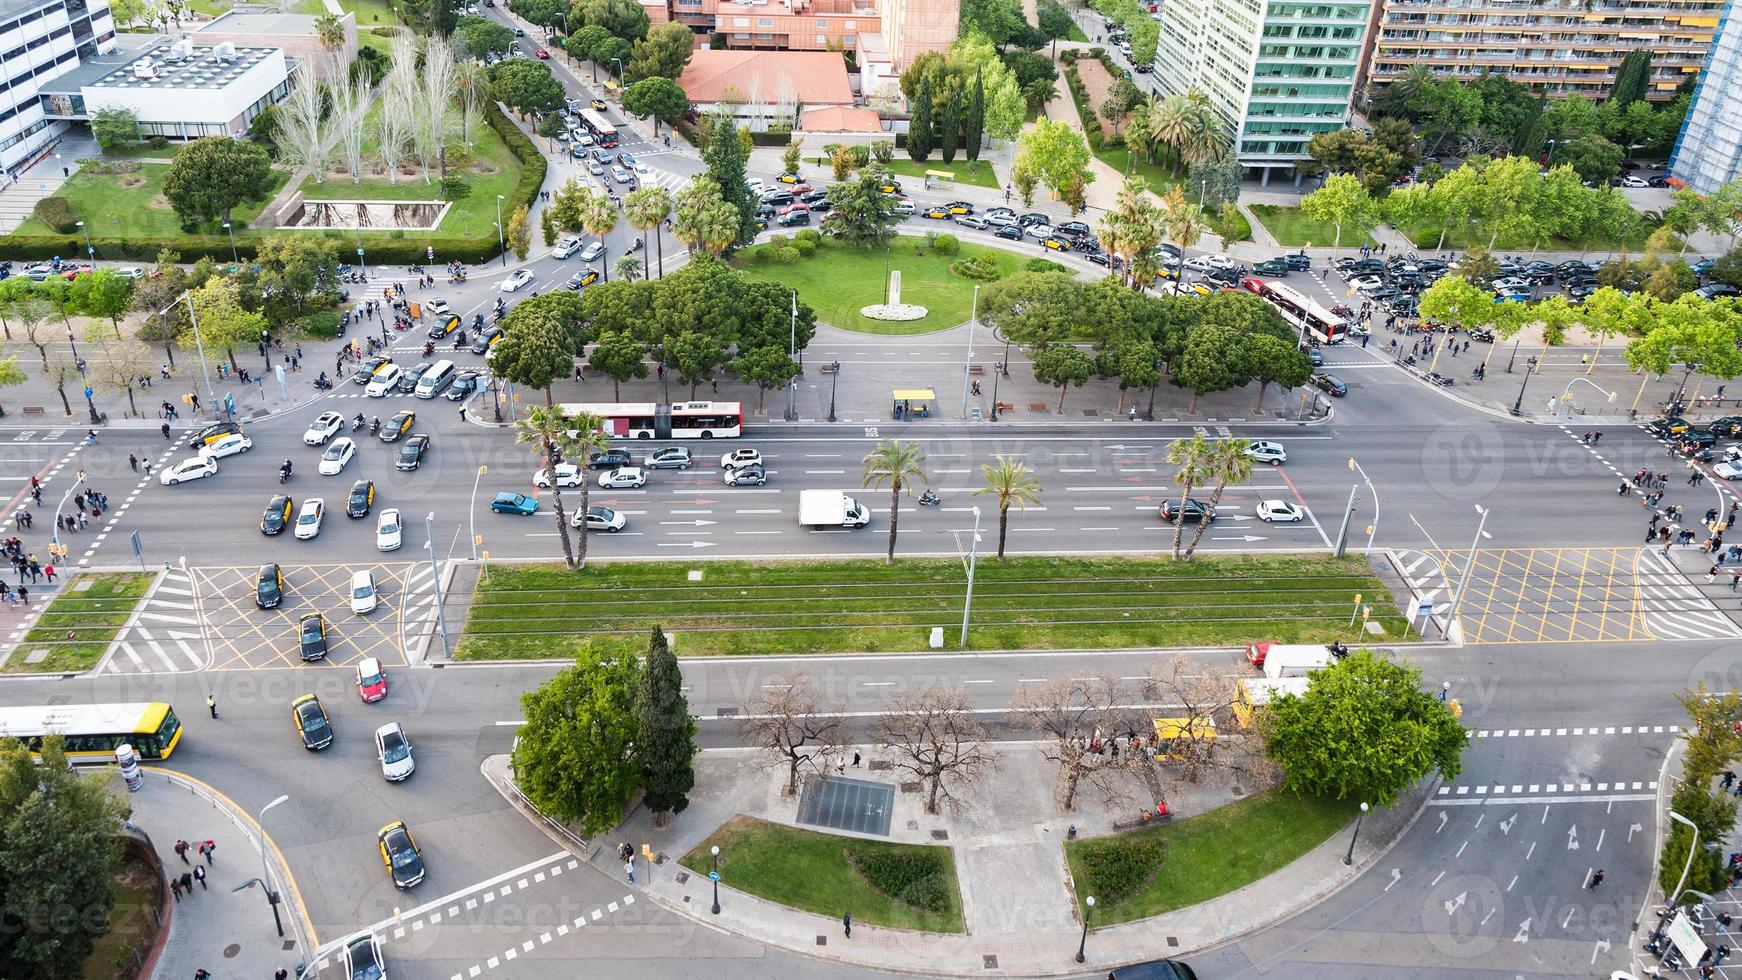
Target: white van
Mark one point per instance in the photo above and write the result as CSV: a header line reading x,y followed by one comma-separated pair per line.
x,y
1288,659
436,379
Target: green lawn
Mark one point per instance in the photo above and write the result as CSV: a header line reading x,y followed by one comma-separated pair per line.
x,y
978,173
740,607
132,205
132,919
812,871
95,614
1237,230
493,170
143,149
370,15
1293,228
1077,33
1211,854
839,280
1156,176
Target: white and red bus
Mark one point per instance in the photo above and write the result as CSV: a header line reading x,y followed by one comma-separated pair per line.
x,y
593,121
1306,315
650,420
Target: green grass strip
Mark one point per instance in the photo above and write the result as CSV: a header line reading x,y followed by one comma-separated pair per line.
x,y
95,615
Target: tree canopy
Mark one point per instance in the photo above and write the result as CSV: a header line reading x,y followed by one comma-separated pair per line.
x,y
574,757
214,174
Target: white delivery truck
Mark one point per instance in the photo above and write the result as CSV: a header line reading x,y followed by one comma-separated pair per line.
x,y
1288,659
830,508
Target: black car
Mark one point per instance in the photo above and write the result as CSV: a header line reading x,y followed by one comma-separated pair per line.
x,y
1154,970
1331,385
609,459
1696,437
482,342
277,516
1730,426
312,636
1011,232
794,218
212,433
1313,355
411,454
464,384
408,381
1672,425
1031,219
1195,511
398,426
777,198
269,587
362,498
812,197
312,722
1272,267
822,206
1073,230
1299,261
1580,290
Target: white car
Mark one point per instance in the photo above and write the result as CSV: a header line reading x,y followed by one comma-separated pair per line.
x,y
130,272
363,596
324,427
197,468
1363,283
756,184
600,519
740,457
1267,452
439,307
394,751
566,247
229,445
1275,511
1728,470
338,453
308,520
1512,284
1204,263
999,217
1039,233
384,381
567,475
1632,181
388,533
620,175
520,278
623,477
592,251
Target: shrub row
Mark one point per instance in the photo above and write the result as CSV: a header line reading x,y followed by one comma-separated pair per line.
x,y
1080,95
918,876
57,213
1120,867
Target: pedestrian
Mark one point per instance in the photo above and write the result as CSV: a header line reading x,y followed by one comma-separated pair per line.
x,y
462,413
855,760
210,848
181,851
48,572
1711,575
1623,491
187,882
1597,878
847,924
133,462
282,974
200,876
201,974
1735,580
212,705
629,870
166,430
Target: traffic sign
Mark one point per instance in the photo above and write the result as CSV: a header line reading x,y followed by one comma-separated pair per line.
x,y
714,875
89,391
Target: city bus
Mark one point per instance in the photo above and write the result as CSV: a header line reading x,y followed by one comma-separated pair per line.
x,y
93,731
1301,312
650,420
593,121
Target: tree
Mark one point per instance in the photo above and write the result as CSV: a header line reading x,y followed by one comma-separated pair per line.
x,y
1063,365
1071,715
519,232
1593,157
526,85
1227,462
1055,23
768,367
442,17
899,464
59,853
1025,179
663,53
934,736
396,124
621,18
860,214
645,210
919,124
1364,730
574,756
1056,153
1195,697
10,373
585,44
102,293
225,324
724,158
1145,37
665,743
1191,459
787,720
702,220
1012,482
999,21
214,174
949,129
619,357
114,128
330,33
1631,78
658,97
974,122
598,217
1344,202
437,77
1276,361
304,125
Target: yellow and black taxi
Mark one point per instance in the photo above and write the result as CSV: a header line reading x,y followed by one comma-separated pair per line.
x,y
789,178
890,186
368,366
1056,243
269,586
311,635
277,515
936,212
960,207
444,325
583,278
362,498
312,722
399,852
598,104
397,426
212,433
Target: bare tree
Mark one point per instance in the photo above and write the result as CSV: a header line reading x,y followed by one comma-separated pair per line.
x,y
785,102
122,366
397,122
788,722
31,314
1080,719
1196,698
303,127
435,119
935,736
350,106
471,83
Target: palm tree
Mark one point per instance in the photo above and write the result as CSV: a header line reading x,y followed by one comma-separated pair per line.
x,y
899,463
1206,136
330,33
548,429
1185,224
1013,483
646,209
599,217
718,226
1169,125
1225,463
1139,137
1192,456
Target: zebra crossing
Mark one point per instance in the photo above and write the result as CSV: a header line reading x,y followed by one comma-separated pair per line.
x,y
1427,581
1673,608
166,636
417,612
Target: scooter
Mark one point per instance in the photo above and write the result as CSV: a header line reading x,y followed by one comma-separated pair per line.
x,y
283,475
428,348
929,499
357,423
322,384
375,425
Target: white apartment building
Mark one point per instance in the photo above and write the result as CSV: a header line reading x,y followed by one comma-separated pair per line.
x,y
39,41
1708,153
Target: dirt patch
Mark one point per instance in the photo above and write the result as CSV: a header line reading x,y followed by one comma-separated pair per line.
x,y
485,166
161,202
133,923
130,181
1098,83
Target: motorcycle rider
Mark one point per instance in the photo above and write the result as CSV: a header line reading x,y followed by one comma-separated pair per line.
x,y
375,425
357,423
284,471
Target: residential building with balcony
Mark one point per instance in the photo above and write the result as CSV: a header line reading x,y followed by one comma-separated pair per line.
x,y
1708,151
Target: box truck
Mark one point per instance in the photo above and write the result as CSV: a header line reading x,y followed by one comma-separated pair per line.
x,y
830,508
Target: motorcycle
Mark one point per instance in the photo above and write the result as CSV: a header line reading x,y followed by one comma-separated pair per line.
x,y
322,384
929,499
460,340
428,348
357,423
283,474
635,245
375,425
477,321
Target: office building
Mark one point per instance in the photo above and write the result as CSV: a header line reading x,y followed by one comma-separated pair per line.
x,y
39,41
173,88
1708,152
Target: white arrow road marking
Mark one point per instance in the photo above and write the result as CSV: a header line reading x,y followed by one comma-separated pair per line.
x,y
1523,932
1633,830
1506,825
686,544
695,523
1573,837
1239,537
1455,904
1396,876
1602,947
1443,818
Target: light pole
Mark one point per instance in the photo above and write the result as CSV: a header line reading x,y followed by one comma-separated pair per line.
x,y
501,236
1469,563
80,478
199,345
362,266
973,559
792,354
1693,848
997,373
1567,395
1374,493
619,62
714,852
1088,909
90,250
472,511
1518,404
834,378
968,366
1349,858
1445,690
429,542
265,876
234,258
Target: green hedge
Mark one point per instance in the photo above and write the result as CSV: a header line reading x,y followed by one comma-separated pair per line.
x,y
1122,867
918,876
411,247
57,213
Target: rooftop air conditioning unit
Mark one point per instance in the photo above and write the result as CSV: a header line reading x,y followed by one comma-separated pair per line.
x,y
226,51
181,50
144,68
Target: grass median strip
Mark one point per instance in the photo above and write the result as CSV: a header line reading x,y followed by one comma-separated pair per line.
x,y
830,874
93,606
740,607
1170,866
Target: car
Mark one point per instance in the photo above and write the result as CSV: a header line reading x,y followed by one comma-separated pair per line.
x,y
797,206
541,54
627,160
756,184
902,208
779,197
960,207
324,427
397,426
311,720
1581,290
670,458
212,433
567,475
750,475
1631,181
1701,267
1279,511
813,196
339,452
277,515
509,502
464,384
999,217
308,519
411,454
394,751
1272,267
383,381
1330,384
371,680
1716,290
1033,218
1365,284
566,247
621,176
362,498
1039,233
1010,232
937,212
1315,358
598,104
1204,263
601,519
130,272
592,251
1729,426
1075,230
1669,426
388,531
789,178
596,169
364,597
399,852
740,457
1299,261
793,219
1728,470
1265,451
515,280
889,186
609,459
487,338
196,468
1056,243
623,477
269,586
1512,284
584,278
438,306
1193,512
367,367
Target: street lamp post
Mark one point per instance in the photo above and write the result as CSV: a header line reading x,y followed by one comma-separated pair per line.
x,y
234,257
997,374
472,511
266,346
1567,395
792,354
90,250
501,235
834,379
1518,403
714,852
968,366
436,576
1693,848
1088,909
619,62
265,877
973,560
1469,563
200,346
1349,858
1373,492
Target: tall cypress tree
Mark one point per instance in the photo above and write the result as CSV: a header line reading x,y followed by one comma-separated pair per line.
x,y
1631,78
442,17
665,740
919,124
724,156
975,124
950,128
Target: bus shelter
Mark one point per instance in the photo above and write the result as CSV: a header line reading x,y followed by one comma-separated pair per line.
x,y
913,402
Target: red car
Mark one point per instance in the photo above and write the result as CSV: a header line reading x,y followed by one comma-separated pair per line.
x,y
543,55
800,188
371,679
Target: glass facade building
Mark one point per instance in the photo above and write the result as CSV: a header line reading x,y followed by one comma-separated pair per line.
x,y
39,41
1708,152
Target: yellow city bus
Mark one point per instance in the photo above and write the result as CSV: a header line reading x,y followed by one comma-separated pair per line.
x,y
1170,731
93,731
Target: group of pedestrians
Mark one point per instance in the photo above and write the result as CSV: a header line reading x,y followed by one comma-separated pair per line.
x,y
184,882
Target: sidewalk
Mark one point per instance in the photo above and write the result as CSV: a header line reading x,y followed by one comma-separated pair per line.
x,y
229,934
